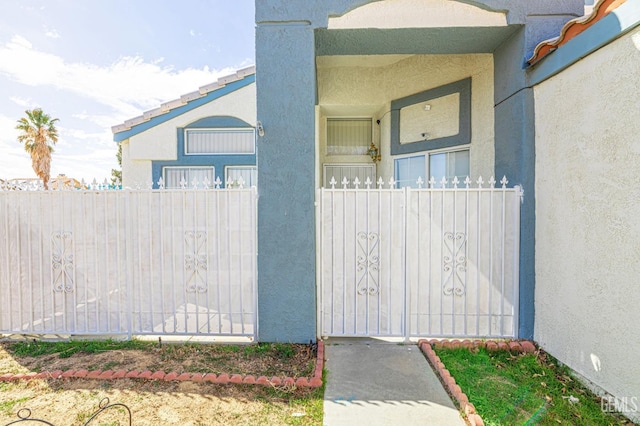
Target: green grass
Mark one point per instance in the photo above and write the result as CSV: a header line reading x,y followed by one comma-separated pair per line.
x,y
66,349
6,407
523,389
278,358
260,348
310,404
280,350
283,351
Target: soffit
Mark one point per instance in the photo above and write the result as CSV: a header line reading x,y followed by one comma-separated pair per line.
x,y
412,41
390,14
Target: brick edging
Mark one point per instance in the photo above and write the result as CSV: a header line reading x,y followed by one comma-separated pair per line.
x,y
310,382
449,382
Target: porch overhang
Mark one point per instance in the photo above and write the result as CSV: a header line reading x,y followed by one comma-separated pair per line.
x,y
412,41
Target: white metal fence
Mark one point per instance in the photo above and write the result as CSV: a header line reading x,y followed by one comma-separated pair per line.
x,y
420,262
128,262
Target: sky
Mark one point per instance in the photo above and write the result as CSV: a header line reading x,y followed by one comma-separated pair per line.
x,y
95,63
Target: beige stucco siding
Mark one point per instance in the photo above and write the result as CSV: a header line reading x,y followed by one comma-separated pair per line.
x,y
160,142
588,216
418,14
134,172
347,89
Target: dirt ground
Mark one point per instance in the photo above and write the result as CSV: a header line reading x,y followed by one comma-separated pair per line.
x,y
73,401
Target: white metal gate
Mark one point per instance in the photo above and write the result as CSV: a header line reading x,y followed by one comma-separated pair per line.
x,y
114,262
419,262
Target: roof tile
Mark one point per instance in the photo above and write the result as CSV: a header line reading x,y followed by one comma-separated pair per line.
x,y
184,99
573,28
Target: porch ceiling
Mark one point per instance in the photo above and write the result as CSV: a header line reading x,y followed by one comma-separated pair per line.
x,y
375,41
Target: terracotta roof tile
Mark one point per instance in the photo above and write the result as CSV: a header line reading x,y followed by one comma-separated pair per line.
x,y
573,28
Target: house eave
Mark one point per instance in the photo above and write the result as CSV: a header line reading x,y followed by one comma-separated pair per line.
x,y
185,103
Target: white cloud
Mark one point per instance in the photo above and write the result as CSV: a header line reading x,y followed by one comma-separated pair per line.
x,y
192,33
103,120
52,33
104,137
95,164
19,42
129,86
8,132
26,103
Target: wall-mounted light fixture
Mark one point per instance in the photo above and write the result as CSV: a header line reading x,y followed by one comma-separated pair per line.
x,y
374,153
260,129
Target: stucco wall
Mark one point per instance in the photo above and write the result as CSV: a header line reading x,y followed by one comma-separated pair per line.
x,y
134,172
417,14
361,89
159,142
317,12
287,33
587,222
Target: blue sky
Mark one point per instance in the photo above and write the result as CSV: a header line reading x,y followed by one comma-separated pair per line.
x,y
95,63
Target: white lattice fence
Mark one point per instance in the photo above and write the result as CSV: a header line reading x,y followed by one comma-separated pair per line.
x,y
438,261
110,262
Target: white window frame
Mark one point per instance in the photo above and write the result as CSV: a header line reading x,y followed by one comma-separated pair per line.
x,y
219,130
427,155
362,118
188,185
326,179
248,167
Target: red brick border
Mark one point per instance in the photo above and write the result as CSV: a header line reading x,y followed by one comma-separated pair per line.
x,y
310,382
449,382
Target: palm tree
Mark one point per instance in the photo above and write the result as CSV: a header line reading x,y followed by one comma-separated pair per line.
x,y
38,134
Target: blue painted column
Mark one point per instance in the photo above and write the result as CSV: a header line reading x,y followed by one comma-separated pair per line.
x,y
515,158
515,130
286,87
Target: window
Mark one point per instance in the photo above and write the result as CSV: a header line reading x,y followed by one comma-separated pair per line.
x,y
173,176
441,164
219,141
249,175
435,119
349,171
409,169
348,136
449,165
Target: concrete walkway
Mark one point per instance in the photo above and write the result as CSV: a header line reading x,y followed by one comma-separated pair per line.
x,y
371,382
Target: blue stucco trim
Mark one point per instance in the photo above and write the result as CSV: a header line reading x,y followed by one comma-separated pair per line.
x,y
463,87
373,41
614,25
286,94
219,162
218,121
514,156
211,96
316,13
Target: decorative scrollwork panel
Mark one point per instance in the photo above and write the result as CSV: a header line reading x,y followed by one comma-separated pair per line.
x,y
195,261
62,265
454,263
368,263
